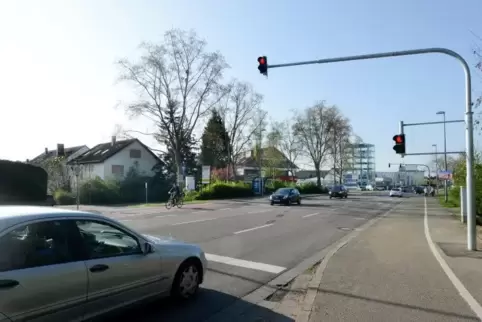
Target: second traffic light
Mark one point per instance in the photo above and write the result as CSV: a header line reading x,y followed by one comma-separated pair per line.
x,y
399,146
263,65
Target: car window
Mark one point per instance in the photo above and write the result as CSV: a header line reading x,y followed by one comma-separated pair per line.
x,y
283,191
37,244
102,240
296,191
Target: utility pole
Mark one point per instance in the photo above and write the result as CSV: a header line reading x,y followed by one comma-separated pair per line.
x,y
469,129
445,155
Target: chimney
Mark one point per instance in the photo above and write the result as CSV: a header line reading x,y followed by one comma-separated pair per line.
x,y
60,150
113,140
46,151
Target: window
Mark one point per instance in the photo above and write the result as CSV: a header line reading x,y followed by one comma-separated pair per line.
x,y
103,240
118,170
38,244
135,154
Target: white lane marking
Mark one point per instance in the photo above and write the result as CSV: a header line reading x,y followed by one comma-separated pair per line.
x,y
258,211
245,264
125,220
471,301
162,216
224,209
251,229
192,221
198,212
311,215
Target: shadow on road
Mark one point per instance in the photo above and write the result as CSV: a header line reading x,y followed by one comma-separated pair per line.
x,y
207,304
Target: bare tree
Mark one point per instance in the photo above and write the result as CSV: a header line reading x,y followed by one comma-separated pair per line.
x,y
240,109
339,144
178,82
258,137
284,139
313,128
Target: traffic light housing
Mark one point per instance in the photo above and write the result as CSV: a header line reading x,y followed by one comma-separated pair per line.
x,y
399,146
263,65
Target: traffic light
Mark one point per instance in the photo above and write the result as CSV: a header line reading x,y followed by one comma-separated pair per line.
x,y
263,65
399,146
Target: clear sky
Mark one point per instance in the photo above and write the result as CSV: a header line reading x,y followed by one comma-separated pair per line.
x,y
57,72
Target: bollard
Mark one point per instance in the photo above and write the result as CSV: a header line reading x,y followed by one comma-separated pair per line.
x,y
463,204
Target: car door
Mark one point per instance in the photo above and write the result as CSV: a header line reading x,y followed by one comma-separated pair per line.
x,y
297,195
119,272
42,277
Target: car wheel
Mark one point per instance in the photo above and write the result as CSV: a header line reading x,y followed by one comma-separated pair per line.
x,y
330,197
271,203
288,203
299,202
186,282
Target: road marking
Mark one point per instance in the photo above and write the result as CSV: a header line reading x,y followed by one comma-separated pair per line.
x,y
471,301
258,211
245,264
251,229
311,215
224,209
125,220
198,212
162,216
192,221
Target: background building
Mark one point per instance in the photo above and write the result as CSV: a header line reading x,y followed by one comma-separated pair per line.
x,y
363,163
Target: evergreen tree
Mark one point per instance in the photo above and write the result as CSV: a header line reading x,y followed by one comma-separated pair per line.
x,y
215,143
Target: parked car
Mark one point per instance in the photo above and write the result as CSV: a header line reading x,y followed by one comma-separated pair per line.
x,y
62,257
396,192
285,196
338,192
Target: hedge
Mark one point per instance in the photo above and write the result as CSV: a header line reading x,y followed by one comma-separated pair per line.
x,y
63,197
22,182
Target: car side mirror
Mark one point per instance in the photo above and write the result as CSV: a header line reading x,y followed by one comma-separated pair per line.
x,y
147,249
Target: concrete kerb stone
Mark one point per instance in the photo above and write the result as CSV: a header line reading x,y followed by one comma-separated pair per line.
x,y
258,296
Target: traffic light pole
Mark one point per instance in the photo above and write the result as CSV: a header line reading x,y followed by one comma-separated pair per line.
x,y
469,129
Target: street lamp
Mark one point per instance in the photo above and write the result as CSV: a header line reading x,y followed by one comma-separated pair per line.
x,y
445,153
76,168
436,165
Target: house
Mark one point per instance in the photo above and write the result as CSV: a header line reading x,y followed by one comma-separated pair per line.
x,y
269,158
112,160
59,174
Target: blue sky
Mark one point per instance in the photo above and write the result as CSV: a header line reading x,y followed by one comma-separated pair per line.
x,y
58,75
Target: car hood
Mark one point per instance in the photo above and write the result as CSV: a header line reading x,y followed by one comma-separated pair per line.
x,y
279,195
162,240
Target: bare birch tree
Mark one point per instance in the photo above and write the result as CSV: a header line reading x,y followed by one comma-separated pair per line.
x,y
240,110
313,128
178,82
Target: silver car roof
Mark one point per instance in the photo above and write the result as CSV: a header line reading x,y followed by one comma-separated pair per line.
x,y
13,215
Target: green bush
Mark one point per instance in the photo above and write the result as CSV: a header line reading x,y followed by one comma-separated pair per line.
x,y
222,190
99,192
22,182
63,197
311,188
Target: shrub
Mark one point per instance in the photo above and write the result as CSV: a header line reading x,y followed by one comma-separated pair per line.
x,y
221,190
191,195
63,197
311,188
22,182
98,192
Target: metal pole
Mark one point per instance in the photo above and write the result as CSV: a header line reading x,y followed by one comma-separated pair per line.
x,y
78,197
469,126
436,165
445,159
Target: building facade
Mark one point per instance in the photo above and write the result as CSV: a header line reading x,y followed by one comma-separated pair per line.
x,y
362,163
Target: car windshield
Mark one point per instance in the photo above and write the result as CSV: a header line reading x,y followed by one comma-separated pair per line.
x,y
396,189
336,188
282,191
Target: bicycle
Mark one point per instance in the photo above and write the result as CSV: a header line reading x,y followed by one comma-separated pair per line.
x,y
179,201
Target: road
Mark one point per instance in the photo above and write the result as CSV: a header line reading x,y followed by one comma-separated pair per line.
x,y
248,243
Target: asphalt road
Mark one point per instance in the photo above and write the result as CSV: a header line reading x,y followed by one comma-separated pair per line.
x,y
248,243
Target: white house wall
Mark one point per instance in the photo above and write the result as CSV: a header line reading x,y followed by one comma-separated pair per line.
x,y
145,163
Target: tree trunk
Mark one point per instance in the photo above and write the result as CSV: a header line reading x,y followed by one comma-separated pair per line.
x,y
318,175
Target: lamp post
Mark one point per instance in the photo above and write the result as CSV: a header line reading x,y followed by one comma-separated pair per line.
x,y
76,168
445,153
436,165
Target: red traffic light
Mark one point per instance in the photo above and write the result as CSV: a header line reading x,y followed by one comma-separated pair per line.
x,y
398,139
261,60
263,65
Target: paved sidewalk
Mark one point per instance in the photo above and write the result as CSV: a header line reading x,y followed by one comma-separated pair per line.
x,y
389,273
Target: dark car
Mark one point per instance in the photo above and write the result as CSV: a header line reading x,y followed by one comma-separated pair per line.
x,y
338,192
285,196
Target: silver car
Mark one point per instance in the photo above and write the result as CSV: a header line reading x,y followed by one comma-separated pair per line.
x,y
61,265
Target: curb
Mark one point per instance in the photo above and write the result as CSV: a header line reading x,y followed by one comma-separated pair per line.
x,y
258,296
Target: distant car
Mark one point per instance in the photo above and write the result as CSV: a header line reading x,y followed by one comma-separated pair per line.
x,y
396,192
338,192
84,265
285,196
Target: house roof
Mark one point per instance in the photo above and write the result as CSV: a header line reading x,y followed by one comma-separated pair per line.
x,y
103,151
282,160
53,153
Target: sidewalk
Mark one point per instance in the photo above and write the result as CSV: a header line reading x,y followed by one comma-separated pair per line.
x,y
389,273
